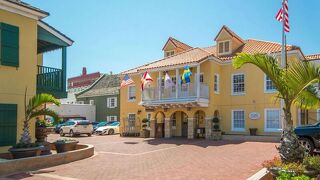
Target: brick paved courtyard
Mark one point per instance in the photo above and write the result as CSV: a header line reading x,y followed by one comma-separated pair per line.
x,y
136,158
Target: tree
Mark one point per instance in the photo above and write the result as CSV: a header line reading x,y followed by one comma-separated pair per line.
x,y
295,86
33,109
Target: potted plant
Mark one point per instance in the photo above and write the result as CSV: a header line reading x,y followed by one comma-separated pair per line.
x,y
41,134
253,131
145,133
34,108
216,132
65,145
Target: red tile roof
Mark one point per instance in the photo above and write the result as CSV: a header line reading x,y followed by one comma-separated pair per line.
x,y
83,80
177,43
313,57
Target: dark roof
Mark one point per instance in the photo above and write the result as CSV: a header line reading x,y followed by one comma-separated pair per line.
x,y
105,85
26,5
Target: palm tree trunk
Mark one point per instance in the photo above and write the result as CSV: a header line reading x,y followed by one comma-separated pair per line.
x,y
290,149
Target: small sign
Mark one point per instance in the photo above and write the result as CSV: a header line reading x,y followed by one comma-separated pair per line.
x,y
254,115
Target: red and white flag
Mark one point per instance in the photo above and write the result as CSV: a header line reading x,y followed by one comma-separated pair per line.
x,y
286,15
146,78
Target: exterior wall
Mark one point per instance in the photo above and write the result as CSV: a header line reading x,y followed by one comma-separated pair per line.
x,y
23,76
255,98
85,110
102,110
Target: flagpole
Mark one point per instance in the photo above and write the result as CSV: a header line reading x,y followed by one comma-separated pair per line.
x,y
283,62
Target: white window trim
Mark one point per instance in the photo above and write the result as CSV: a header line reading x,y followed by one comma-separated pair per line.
x,y
265,121
238,93
265,86
318,114
238,129
109,118
230,47
109,102
131,100
218,83
170,52
91,102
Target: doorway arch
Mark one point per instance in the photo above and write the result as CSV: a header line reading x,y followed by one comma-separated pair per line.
x,y
179,121
159,124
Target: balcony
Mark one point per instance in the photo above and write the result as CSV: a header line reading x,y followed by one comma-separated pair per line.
x,y
50,80
182,95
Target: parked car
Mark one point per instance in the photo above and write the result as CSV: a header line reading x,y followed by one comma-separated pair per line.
x,y
309,136
102,123
95,124
57,128
76,127
66,118
109,129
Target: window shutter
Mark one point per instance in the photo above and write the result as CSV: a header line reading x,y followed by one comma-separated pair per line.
x,y
9,45
115,102
8,124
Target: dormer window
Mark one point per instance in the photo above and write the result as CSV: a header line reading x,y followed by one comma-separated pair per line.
x,y
224,47
169,53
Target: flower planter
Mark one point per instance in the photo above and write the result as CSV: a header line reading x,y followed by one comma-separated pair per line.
x,y
216,135
253,131
65,147
41,134
145,133
18,153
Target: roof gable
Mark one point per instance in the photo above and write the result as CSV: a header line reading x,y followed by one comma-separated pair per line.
x,y
231,33
176,43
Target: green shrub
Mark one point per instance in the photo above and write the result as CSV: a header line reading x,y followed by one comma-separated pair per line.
x,y
216,127
312,162
215,120
145,120
65,140
291,176
22,145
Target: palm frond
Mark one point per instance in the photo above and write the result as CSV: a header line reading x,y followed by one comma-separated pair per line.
x,y
267,64
308,98
39,100
45,112
301,75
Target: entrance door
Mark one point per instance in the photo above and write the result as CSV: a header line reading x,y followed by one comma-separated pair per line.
x,y
159,130
184,125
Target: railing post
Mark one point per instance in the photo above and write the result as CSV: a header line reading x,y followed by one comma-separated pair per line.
x,y
177,82
198,81
159,84
64,68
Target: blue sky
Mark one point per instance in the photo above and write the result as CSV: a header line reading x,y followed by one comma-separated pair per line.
x,y
114,35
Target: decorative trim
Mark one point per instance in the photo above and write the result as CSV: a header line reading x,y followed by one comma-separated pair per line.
x,y
24,11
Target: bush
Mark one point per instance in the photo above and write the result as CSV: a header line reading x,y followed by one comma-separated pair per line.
x,y
312,162
22,145
145,120
215,120
291,176
275,162
216,127
64,141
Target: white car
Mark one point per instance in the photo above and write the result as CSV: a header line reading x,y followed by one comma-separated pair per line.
x,y
109,129
76,127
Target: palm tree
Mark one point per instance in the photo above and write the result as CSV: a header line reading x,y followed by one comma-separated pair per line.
x,y
295,86
33,109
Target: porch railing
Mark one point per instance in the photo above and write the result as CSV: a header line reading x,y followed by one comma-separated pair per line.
x,y
130,126
49,79
184,91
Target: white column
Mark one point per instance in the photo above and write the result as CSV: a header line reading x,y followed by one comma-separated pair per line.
x,y
208,127
167,127
177,82
152,128
198,81
159,84
191,128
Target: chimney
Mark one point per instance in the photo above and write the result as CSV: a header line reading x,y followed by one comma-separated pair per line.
x,y
84,71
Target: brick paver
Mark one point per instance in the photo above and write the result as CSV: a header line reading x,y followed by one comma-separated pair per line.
x,y
136,158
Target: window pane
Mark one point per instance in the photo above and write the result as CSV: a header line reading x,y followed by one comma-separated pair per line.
x,y
269,85
238,83
226,46
273,119
221,47
238,119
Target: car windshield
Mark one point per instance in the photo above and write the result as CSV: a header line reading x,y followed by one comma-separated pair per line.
x,y
114,124
102,124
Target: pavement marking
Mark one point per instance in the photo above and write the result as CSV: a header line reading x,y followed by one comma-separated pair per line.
x,y
55,176
137,154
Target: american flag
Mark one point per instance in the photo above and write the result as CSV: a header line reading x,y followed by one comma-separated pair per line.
x,y
286,15
126,81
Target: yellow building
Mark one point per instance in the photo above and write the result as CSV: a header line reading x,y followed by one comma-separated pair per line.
x,y
24,37
241,99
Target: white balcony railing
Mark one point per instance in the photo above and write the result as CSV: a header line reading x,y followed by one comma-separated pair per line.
x,y
185,91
